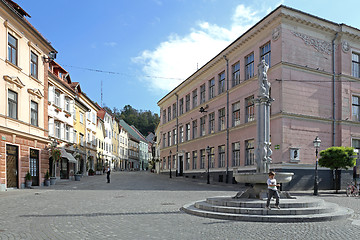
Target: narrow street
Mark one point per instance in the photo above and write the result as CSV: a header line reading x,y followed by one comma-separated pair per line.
x,y
143,205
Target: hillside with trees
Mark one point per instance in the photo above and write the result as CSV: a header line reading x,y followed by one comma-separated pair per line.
x,y
144,121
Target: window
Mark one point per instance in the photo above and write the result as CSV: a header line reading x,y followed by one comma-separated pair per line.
x,y
75,138
355,65
212,157
194,132
174,161
194,159
181,106
265,53
12,49
236,154
249,152
202,126
67,104
169,139
249,108
164,116
221,156
202,94
57,98
57,129
187,156
355,108
194,94
82,119
82,140
67,133
174,110
211,88
74,113
249,66
188,132
211,123
12,104
187,103
236,114
175,136
221,82
222,119
355,143
236,74
164,140
202,158
34,113
169,162
181,134
33,65
169,113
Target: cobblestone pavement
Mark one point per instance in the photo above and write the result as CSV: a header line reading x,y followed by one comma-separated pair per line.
x,y
142,205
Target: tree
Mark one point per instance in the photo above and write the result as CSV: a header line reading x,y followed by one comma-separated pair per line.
x,y
337,158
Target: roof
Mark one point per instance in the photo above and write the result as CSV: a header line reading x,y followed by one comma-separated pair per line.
x,y
131,130
101,114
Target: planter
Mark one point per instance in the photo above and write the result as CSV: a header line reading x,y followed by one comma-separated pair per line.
x,y
52,180
77,177
47,182
28,183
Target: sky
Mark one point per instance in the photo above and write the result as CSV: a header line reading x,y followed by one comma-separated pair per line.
x,y
137,51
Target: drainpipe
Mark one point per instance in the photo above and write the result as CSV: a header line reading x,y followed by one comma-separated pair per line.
x,y
227,119
333,88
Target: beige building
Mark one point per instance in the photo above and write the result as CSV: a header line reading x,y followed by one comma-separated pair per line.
x,y
23,112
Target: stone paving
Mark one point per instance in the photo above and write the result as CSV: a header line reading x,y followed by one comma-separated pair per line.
x,y
142,205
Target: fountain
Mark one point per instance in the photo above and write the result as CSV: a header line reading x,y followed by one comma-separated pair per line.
x,y
263,152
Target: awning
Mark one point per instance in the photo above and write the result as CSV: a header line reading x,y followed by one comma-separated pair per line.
x,y
68,156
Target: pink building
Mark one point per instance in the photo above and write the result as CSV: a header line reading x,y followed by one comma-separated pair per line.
x,y
314,74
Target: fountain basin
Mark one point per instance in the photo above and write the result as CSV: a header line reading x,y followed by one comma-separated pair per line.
x,y
254,178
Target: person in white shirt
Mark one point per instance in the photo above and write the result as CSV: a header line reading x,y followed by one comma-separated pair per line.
x,y
273,191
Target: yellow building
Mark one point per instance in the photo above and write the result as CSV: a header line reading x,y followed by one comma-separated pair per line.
x,y
23,109
90,134
80,129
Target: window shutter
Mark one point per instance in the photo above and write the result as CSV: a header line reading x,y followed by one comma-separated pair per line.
x,y
51,94
51,127
71,135
62,131
62,101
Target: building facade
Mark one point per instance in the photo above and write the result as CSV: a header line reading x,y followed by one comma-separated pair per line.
x,y
314,70
23,112
61,112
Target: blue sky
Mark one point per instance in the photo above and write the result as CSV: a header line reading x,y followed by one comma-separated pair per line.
x,y
142,49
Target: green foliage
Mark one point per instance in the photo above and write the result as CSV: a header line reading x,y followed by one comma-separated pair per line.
x,y
55,154
28,176
47,175
144,121
337,158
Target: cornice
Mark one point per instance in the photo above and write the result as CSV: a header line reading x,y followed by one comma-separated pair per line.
x,y
36,92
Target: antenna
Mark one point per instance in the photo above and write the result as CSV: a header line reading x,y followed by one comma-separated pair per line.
x,y
101,94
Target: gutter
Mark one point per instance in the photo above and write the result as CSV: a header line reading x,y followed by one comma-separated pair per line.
x,y
333,92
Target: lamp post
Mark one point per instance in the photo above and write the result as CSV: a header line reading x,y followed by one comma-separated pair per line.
x,y
316,142
208,166
170,163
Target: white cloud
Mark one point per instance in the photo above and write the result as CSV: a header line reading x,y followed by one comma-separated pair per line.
x,y
110,44
177,58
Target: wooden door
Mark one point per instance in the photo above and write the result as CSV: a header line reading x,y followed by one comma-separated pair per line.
x,y
12,166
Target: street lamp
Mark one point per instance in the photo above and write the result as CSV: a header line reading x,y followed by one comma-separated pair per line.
x,y
208,167
316,142
170,163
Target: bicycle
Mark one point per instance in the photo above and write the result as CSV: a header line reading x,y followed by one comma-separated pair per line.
x,y
352,190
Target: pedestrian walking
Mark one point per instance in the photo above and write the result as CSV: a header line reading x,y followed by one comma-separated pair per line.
x,y
108,175
273,191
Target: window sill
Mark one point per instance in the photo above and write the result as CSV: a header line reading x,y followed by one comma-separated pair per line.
x,y
35,79
13,65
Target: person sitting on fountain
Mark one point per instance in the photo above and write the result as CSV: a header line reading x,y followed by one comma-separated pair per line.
x,y
273,191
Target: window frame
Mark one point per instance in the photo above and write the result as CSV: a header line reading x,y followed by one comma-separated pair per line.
x,y
13,103
34,65
236,114
211,88
249,109
202,94
265,53
222,119
34,114
236,74
249,152
249,66
221,82
12,50
194,98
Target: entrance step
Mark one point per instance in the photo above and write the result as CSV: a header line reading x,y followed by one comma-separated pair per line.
x,y
301,209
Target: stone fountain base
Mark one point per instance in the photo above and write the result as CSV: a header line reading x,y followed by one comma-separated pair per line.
x,y
259,186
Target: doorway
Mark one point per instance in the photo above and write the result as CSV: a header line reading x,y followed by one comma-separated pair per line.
x,y
12,157
34,166
181,166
